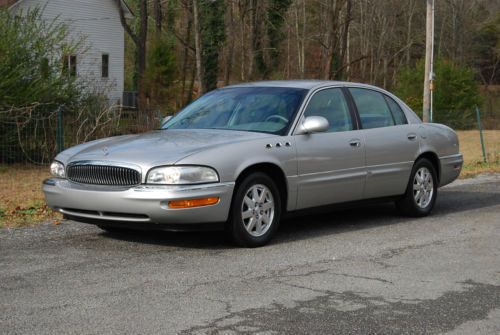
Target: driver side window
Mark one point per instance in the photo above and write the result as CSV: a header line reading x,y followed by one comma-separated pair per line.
x,y
331,104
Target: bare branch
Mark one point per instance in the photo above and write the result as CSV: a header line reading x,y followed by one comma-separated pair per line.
x,y
124,23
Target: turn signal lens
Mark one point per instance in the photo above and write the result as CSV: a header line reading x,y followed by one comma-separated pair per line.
x,y
189,203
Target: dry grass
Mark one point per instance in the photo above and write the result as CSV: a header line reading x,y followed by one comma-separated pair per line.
x,y
22,201
470,146
21,197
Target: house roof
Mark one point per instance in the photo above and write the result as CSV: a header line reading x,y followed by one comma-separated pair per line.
x,y
11,3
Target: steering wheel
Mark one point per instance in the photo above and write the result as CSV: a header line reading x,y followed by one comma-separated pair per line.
x,y
276,116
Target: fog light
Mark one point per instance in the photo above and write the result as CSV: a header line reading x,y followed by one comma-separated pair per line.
x,y
190,203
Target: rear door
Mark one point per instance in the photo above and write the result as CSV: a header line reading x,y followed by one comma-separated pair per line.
x,y
391,143
330,164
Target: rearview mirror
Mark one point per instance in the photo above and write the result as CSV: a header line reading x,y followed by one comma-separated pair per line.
x,y
165,120
314,124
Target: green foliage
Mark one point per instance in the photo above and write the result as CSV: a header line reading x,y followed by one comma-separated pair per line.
x,y
276,18
34,88
213,35
172,12
31,50
161,70
455,94
162,66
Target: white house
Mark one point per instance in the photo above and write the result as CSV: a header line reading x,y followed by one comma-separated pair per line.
x,y
101,61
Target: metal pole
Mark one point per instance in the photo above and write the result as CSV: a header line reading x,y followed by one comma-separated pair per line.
x,y
428,71
478,115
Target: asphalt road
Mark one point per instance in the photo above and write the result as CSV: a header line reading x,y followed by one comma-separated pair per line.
x,y
357,271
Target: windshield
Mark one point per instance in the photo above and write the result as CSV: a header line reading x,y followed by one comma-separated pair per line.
x,y
260,109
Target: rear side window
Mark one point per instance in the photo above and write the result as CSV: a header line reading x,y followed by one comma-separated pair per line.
x,y
372,108
397,112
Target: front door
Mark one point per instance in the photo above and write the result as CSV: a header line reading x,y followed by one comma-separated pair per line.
x,y
330,164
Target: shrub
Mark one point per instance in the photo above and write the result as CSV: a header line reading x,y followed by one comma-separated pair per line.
x,y
31,51
455,95
34,87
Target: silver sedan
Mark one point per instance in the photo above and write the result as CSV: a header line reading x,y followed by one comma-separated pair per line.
x,y
243,156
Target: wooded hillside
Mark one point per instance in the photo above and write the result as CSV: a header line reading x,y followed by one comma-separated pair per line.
x,y
180,48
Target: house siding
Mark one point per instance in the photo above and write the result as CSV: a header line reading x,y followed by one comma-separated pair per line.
x,y
98,22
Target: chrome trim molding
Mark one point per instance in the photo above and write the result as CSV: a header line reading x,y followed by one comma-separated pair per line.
x,y
181,188
103,216
100,172
109,163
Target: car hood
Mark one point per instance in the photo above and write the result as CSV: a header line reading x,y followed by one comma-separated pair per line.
x,y
161,147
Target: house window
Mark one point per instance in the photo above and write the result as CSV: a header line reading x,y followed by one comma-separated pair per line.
x,y
69,65
105,66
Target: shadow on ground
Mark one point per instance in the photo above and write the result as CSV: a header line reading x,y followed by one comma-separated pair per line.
x,y
320,224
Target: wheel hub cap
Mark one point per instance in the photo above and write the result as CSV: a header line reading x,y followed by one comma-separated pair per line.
x,y
423,187
257,210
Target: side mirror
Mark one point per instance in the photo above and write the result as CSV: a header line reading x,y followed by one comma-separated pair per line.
x,y
165,120
314,124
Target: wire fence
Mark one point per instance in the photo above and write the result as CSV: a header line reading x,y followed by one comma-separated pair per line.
x,y
29,138
34,139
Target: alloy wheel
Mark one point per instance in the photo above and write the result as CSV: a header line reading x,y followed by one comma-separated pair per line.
x,y
257,210
423,187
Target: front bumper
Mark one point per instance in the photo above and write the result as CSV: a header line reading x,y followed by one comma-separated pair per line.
x,y
140,204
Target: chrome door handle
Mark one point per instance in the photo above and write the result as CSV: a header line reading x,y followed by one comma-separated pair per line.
x,y
355,143
411,137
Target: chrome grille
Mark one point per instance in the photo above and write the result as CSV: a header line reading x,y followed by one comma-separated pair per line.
x,y
103,175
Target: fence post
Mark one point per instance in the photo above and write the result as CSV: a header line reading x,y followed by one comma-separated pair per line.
x,y
478,115
59,139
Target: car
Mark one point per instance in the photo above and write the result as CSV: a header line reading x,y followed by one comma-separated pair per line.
x,y
243,156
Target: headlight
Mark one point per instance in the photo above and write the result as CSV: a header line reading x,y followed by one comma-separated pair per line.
x,y
57,169
178,175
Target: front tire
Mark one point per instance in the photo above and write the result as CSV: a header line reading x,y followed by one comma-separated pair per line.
x,y
255,211
421,192
112,229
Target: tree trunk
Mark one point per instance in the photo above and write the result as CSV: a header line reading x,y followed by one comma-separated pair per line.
x,y
345,44
242,14
334,8
185,59
409,32
197,43
230,46
139,40
141,53
303,41
297,34
158,16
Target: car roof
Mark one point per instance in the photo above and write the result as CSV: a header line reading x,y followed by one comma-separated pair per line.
x,y
304,84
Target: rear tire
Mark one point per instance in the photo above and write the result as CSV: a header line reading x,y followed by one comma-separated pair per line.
x,y
421,191
255,211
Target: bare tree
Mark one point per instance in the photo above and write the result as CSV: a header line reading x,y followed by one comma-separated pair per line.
x,y
197,42
139,40
230,26
158,16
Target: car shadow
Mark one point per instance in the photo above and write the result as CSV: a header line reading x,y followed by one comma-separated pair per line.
x,y
378,215
210,240
320,224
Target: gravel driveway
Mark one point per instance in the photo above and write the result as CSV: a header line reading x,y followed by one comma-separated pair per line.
x,y
358,271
